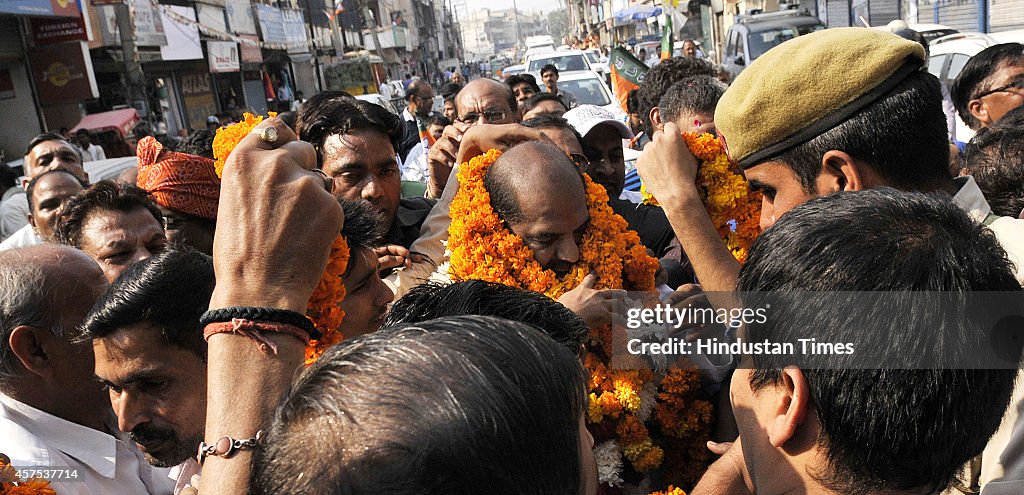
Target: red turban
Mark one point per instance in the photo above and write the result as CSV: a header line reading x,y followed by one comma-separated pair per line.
x,y
178,181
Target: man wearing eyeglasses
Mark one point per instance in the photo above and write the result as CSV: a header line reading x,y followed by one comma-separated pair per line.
x,y
420,98
990,85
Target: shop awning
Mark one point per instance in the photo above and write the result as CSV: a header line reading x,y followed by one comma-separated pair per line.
x,y
121,121
637,13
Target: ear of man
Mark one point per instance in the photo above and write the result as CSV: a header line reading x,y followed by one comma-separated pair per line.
x,y
791,403
979,110
34,348
842,172
655,116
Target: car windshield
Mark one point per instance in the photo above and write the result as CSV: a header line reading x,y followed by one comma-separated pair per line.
x,y
587,91
563,62
762,41
592,57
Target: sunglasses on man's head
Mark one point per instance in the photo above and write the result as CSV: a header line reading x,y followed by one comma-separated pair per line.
x,y
1017,84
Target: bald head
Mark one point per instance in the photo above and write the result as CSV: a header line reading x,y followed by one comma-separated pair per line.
x,y
538,191
531,171
486,101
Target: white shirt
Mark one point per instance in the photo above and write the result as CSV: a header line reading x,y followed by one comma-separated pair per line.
x,y
1009,231
105,464
24,237
13,214
93,153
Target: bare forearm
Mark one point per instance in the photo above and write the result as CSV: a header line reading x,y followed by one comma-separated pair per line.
x,y
713,263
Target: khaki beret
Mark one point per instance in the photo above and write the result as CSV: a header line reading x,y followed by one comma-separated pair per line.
x,y
808,85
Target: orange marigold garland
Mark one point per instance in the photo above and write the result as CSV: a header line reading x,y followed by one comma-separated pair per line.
x,y
733,208
324,305
11,484
621,413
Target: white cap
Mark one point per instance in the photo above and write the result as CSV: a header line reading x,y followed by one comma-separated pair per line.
x,y
584,118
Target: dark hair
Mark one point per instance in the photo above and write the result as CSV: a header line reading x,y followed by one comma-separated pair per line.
x,y
458,405
169,290
449,89
974,77
697,94
451,98
142,130
539,98
902,137
633,101
884,429
82,131
288,118
44,137
552,122
912,35
103,195
995,158
661,77
364,224
198,143
336,112
548,68
516,79
32,185
475,297
438,119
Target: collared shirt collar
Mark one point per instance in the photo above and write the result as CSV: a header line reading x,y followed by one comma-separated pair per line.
x,y
94,448
970,198
408,116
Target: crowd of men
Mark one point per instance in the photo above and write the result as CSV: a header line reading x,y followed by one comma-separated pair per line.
x,y
126,349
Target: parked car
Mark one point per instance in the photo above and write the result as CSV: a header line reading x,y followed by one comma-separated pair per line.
x,y
567,61
380,100
949,54
590,89
752,35
512,70
599,63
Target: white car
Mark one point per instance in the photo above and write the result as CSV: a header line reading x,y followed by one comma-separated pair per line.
x,y
566,61
589,89
512,70
380,100
949,54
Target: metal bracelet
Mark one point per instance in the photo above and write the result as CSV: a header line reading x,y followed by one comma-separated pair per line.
x,y
226,446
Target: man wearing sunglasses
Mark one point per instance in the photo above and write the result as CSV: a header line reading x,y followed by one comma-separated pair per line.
x,y
990,85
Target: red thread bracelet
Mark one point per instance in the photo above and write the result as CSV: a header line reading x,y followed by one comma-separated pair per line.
x,y
254,330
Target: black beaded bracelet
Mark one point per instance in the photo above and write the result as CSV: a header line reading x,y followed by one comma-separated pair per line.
x,y
271,315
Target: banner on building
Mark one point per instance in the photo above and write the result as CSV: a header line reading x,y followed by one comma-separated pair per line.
x,y
197,91
63,73
271,24
211,16
240,18
49,8
250,54
223,56
182,39
627,74
149,25
295,31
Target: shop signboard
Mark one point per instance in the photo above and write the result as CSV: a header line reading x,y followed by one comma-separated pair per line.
x,y
197,91
47,30
63,73
240,18
271,24
182,37
250,52
223,56
149,26
50,8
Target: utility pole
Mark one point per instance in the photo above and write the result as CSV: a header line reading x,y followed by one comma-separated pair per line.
x,y
373,31
135,79
519,36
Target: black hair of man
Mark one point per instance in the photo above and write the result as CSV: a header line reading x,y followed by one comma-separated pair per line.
x,y
198,143
475,297
661,77
539,98
170,291
438,119
697,94
552,122
364,225
633,101
32,185
974,77
83,132
995,158
459,405
105,195
912,35
548,68
885,430
449,88
142,130
517,79
518,166
288,118
902,137
337,112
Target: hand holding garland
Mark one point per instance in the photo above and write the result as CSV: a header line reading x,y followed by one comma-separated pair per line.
x,y
669,172
265,257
